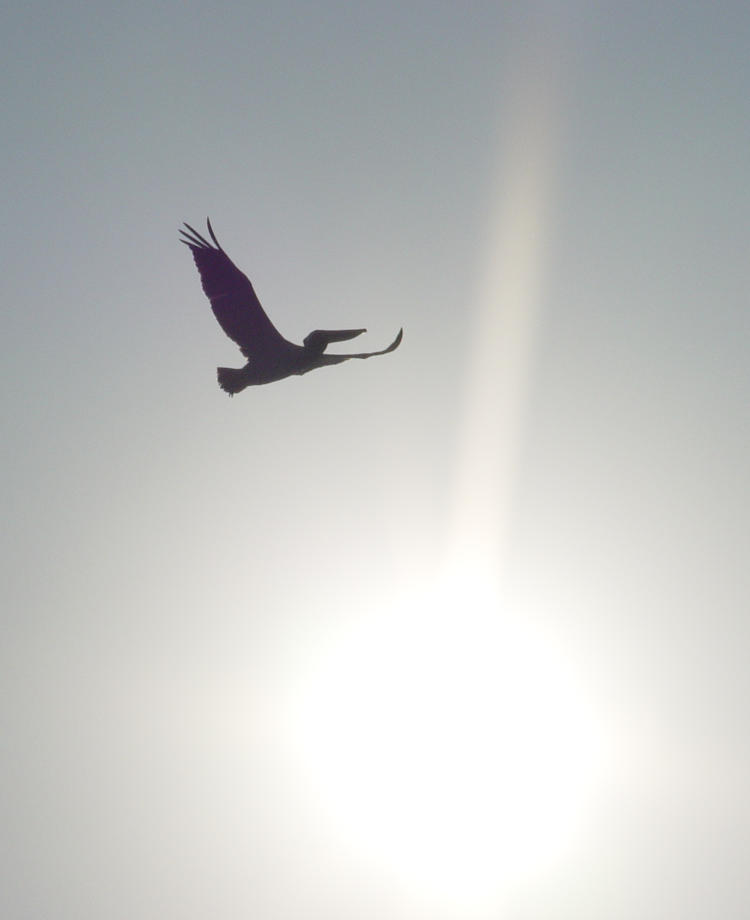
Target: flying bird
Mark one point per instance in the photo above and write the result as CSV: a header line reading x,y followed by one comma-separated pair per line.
x,y
234,302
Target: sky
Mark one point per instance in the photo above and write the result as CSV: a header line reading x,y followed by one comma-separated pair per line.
x,y
460,632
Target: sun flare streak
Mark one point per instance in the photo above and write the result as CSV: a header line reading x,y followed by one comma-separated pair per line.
x,y
510,283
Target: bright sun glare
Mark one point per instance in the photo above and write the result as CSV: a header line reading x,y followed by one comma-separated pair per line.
x,y
448,743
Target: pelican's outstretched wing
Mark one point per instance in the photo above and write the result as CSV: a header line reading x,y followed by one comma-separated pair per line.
x,y
232,297
318,340
337,359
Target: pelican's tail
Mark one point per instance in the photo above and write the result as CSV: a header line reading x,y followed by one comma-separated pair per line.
x,y
232,380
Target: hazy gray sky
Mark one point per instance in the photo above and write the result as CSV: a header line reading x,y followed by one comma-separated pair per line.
x,y
196,588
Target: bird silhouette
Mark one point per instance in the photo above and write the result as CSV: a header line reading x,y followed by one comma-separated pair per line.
x,y
234,302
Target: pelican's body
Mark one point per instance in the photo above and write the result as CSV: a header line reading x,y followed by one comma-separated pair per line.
x,y
239,313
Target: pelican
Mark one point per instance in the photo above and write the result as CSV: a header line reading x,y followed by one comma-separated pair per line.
x,y
234,302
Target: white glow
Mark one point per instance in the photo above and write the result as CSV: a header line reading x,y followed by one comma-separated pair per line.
x,y
448,744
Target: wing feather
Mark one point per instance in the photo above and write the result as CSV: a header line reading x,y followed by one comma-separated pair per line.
x,y
233,300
